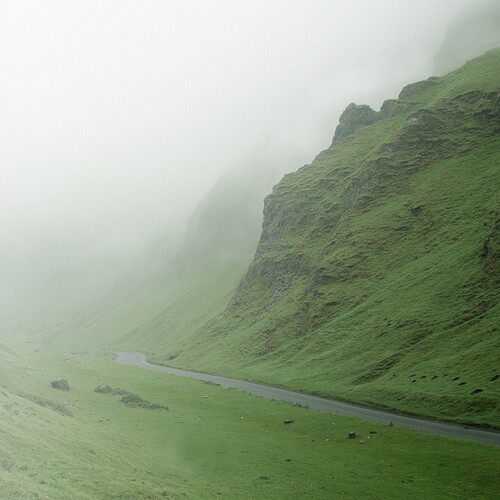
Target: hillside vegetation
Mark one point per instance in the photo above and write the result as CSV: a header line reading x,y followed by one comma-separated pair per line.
x,y
376,276
211,442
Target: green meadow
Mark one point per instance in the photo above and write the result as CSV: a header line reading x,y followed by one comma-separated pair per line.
x,y
210,443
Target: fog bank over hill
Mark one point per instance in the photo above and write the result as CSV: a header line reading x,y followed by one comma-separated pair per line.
x,y
118,117
473,31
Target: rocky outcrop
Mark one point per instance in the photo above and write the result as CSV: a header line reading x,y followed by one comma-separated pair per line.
x,y
353,117
417,88
103,389
60,383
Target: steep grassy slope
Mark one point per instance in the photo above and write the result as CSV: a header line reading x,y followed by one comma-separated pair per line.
x,y
376,276
157,294
220,241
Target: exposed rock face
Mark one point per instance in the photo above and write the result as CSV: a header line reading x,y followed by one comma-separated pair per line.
x,y
392,107
353,117
417,88
103,388
388,215
60,383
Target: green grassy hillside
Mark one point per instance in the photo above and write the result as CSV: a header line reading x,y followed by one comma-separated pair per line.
x,y
376,276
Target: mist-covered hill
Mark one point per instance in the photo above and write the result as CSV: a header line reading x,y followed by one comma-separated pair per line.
x,y
168,290
376,276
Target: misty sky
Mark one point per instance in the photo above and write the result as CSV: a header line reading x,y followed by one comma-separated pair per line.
x,y
117,116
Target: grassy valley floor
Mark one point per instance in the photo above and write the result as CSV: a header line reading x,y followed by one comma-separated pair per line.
x,y
210,443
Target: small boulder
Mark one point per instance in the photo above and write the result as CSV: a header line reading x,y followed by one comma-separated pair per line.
x,y
103,388
362,441
60,383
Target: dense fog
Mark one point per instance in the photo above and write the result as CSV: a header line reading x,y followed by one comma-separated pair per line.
x,y
118,116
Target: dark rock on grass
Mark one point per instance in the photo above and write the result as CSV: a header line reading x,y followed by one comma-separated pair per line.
x,y
476,391
352,435
288,421
103,388
492,379
60,383
135,400
462,383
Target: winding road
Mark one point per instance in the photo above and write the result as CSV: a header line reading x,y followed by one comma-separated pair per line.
x,y
322,404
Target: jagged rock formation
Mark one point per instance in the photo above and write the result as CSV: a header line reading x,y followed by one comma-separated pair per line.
x,y
379,258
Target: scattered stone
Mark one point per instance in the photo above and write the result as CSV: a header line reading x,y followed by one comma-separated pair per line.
x,y
494,378
134,400
352,435
435,376
60,383
362,441
288,421
103,388
205,396
462,383
476,391
373,432
313,440
423,376
456,378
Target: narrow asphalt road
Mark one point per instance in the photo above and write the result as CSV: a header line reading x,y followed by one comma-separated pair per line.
x,y
322,404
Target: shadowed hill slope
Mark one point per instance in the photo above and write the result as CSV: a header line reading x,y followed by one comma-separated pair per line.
x,y
376,276
177,295
220,241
